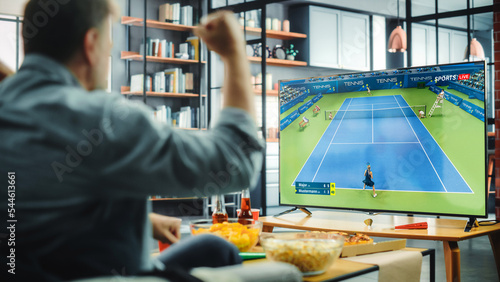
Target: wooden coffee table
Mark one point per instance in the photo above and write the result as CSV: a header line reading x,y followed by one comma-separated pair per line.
x,y
449,231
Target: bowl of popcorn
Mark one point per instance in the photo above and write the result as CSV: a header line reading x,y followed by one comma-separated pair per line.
x,y
244,236
312,253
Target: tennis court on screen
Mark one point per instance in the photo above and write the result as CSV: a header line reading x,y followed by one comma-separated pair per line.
x,y
385,132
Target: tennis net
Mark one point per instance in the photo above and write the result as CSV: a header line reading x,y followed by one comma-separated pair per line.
x,y
377,113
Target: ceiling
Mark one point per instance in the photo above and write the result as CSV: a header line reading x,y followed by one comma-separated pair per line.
x,y
380,7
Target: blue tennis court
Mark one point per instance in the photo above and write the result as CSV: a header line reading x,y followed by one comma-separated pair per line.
x,y
385,132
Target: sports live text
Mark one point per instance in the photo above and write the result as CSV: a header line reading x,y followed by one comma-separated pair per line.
x,y
464,76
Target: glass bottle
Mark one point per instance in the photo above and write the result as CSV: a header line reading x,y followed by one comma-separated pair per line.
x,y
246,209
219,215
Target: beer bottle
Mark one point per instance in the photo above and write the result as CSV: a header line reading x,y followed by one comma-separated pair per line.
x,y
246,209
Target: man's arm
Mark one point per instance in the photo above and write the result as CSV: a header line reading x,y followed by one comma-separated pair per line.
x,y
222,34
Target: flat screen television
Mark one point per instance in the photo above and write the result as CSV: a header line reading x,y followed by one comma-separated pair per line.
x,y
420,130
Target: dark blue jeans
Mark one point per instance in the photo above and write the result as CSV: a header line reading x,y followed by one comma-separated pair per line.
x,y
200,251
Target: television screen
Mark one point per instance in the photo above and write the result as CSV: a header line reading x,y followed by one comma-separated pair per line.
x,y
409,140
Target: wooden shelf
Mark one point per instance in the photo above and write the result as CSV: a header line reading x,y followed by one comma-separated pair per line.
x,y
272,140
278,62
172,199
268,92
190,128
125,90
156,24
283,35
134,56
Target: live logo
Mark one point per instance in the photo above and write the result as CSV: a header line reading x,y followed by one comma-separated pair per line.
x,y
464,76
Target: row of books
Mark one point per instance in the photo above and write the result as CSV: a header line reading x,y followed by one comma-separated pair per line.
x,y
187,117
174,13
169,80
164,49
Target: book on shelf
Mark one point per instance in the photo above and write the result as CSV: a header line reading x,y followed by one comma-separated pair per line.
x,y
186,117
174,13
163,114
169,80
189,85
201,117
164,49
186,15
174,86
156,44
193,40
164,13
157,48
159,82
137,83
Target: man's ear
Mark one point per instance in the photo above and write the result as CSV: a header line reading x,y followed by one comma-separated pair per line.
x,y
91,46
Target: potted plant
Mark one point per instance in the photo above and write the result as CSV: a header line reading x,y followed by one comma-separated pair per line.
x,y
291,53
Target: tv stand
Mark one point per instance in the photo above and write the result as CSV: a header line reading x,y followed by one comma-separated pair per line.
x,y
305,210
470,224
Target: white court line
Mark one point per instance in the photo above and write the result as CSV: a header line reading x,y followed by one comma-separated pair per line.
x,y
293,183
446,156
372,123
357,188
371,104
340,123
421,145
376,143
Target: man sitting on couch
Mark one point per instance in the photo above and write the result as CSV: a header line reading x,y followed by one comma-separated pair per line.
x,y
82,162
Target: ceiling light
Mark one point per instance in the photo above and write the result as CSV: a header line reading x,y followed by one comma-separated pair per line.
x,y
397,40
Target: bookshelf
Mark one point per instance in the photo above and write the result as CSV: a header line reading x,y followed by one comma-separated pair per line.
x,y
135,56
152,70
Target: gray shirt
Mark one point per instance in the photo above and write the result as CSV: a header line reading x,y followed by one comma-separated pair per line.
x,y
85,163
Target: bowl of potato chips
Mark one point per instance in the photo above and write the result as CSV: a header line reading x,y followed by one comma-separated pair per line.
x,y
312,253
243,236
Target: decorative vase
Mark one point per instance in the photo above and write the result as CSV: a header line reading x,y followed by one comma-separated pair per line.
x,y
290,57
276,24
286,25
269,24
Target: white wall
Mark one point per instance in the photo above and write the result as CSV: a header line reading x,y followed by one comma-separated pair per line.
x,y
12,7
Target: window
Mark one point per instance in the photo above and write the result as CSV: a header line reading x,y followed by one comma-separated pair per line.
x,y
8,48
11,51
